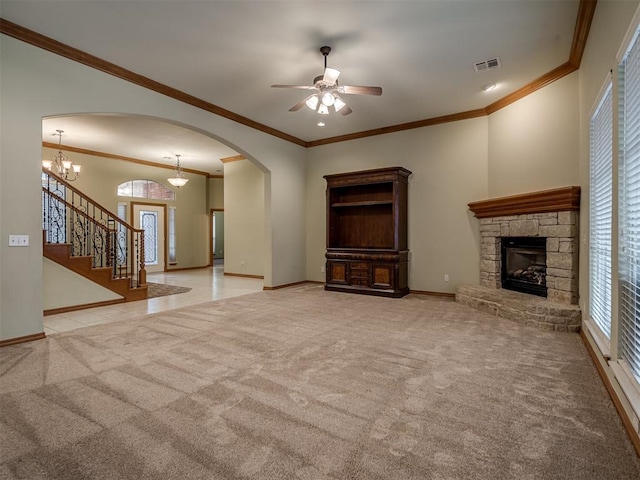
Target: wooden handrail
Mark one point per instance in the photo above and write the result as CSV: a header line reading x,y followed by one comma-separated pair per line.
x,y
78,211
87,197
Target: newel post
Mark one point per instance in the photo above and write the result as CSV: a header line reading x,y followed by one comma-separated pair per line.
x,y
142,273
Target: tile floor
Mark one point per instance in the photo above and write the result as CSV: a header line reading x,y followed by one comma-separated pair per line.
x,y
207,284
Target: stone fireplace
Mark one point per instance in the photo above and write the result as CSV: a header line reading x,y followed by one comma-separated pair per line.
x,y
551,215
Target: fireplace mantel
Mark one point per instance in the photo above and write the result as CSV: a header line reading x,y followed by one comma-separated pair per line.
x,y
556,200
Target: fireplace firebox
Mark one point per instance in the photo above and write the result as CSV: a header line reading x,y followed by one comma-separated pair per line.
x,y
524,264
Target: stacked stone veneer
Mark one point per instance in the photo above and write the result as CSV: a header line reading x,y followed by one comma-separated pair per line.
x,y
561,231
559,311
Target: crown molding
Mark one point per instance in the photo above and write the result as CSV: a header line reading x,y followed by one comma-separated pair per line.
x,y
455,117
112,156
59,48
234,158
546,79
584,18
586,10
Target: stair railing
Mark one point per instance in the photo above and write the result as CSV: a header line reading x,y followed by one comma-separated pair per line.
x,y
69,216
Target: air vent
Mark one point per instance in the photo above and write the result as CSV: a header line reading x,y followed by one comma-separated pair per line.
x,y
490,64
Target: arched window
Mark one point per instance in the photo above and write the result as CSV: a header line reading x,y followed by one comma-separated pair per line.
x,y
145,189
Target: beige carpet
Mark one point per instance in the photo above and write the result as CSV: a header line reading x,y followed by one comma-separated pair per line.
x,y
307,384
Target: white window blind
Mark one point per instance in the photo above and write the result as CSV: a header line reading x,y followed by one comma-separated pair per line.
x,y
600,208
629,257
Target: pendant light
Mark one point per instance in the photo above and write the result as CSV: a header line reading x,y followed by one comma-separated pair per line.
x,y
178,180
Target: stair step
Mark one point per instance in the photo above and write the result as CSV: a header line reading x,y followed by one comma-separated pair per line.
x,y
83,265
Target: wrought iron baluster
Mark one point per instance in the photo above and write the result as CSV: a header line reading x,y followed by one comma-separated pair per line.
x,y
68,216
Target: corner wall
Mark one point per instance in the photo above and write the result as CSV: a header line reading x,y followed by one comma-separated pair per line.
x,y
533,143
528,146
244,219
449,165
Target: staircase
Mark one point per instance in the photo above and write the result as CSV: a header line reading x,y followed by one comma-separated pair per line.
x,y
83,236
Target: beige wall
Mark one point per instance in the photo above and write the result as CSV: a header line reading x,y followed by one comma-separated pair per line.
x,y
36,84
533,143
449,165
244,218
64,288
216,193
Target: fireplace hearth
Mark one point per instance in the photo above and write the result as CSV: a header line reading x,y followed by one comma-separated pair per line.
x,y
524,264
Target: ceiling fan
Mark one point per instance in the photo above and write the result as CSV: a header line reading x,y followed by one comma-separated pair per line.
x,y
328,91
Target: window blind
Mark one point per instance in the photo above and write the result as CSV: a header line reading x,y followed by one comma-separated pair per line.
x,y
629,257
600,208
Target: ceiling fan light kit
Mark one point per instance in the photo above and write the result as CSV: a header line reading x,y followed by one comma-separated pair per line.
x,y
327,91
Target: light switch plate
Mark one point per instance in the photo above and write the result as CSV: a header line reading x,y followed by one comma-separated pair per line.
x,y
18,240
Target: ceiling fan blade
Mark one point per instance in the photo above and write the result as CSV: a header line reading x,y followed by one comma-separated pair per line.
x,y
345,110
300,104
330,76
301,87
359,90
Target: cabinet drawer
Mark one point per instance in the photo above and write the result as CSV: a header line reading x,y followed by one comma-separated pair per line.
x,y
359,274
364,282
359,266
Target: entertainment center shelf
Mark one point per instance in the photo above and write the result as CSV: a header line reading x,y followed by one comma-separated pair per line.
x,y
367,232
361,204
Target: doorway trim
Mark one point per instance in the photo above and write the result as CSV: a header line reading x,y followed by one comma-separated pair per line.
x,y
211,253
165,252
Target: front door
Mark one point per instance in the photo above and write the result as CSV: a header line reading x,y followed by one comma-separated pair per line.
x,y
150,218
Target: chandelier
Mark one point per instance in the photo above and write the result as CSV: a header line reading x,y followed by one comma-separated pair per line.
x,y
61,164
178,180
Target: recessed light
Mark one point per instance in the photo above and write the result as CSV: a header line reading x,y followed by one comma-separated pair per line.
x,y
489,87
321,124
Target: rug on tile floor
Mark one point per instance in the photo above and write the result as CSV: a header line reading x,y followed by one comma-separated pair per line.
x,y
162,290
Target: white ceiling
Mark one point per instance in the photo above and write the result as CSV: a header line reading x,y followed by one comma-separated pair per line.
x,y
139,137
422,54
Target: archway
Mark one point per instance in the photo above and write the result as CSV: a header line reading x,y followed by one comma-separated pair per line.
x,y
116,148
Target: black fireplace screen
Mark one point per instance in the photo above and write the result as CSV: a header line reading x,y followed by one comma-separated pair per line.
x,y
524,264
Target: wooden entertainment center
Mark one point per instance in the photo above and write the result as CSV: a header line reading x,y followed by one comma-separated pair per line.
x,y
367,249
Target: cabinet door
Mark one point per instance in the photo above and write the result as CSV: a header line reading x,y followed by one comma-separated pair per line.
x,y
337,272
382,275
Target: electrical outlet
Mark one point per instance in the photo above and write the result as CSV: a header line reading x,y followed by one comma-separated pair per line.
x,y
446,277
322,269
